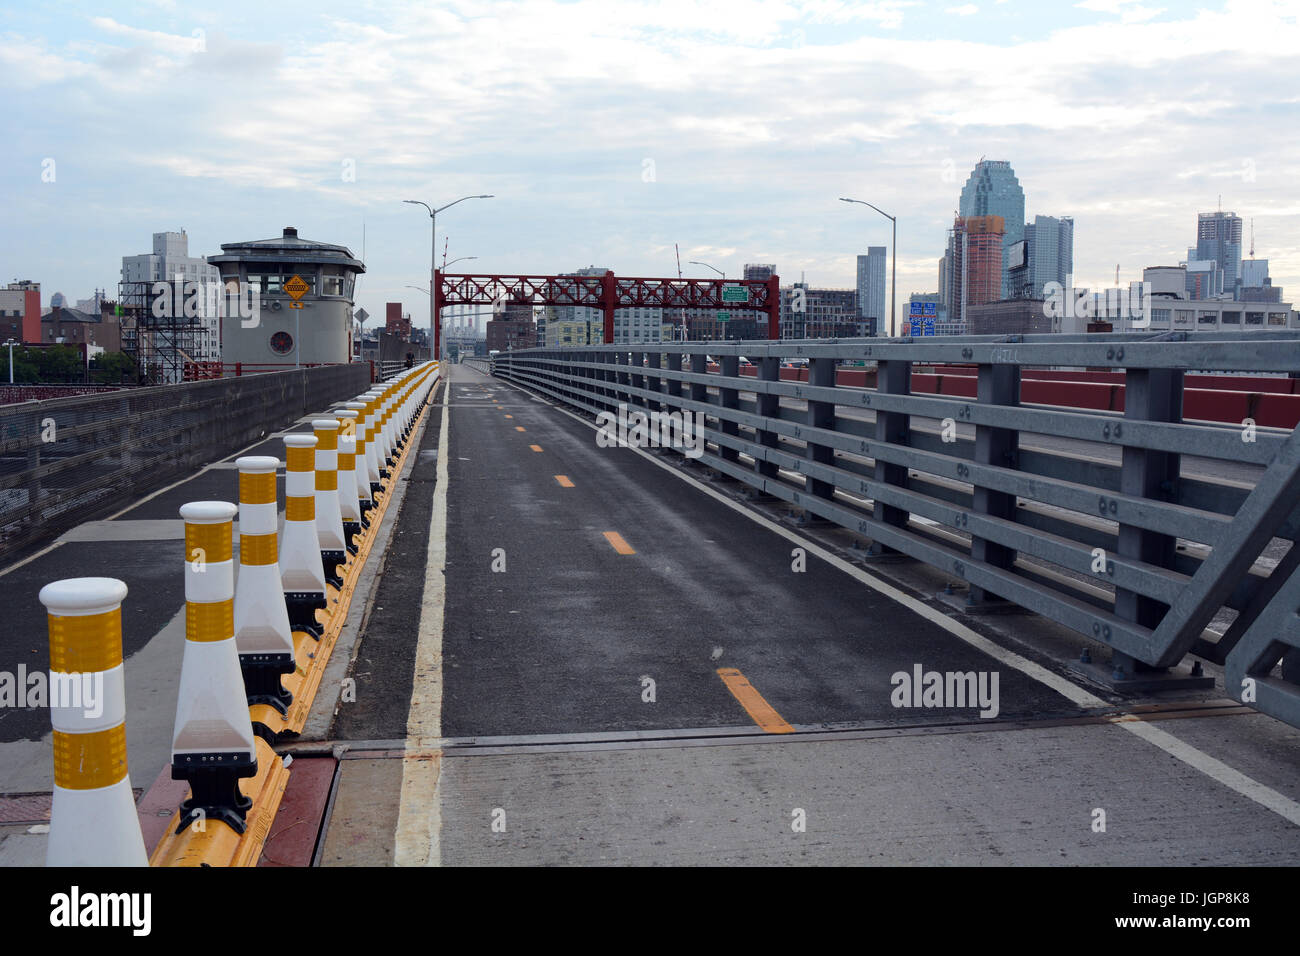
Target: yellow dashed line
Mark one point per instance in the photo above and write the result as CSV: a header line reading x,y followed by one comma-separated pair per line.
x,y
616,541
510,416
564,481
535,447
519,428
768,720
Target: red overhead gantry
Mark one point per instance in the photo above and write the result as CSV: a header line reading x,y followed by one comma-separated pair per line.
x,y
607,293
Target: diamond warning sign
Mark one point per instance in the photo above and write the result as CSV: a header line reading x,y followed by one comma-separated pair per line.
x,y
296,287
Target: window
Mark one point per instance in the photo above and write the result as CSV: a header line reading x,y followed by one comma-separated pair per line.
x,y
1207,318
1160,315
1254,318
1277,318
331,285
1232,318
1183,317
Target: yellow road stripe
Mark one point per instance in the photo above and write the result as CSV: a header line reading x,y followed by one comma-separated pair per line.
x,y
519,428
618,544
535,447
768,720
564,481
510,416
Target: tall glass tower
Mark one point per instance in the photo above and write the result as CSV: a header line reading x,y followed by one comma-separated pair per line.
x,y
993,190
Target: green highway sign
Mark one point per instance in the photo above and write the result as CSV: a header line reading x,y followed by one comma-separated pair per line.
x,y
735,293
724,316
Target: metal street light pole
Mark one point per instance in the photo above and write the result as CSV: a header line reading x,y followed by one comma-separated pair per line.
x,y
11,343
893,262
696,262
433,263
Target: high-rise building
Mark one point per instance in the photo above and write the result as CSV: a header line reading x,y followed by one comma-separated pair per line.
x,y
808,313
871,285
631,326
1218,238
974,270
171,261
759,270
1049,254
993,190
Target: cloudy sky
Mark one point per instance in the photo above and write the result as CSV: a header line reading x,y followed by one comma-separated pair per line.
x,y
608,130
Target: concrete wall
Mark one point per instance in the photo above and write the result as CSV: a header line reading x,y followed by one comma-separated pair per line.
x,y
70,460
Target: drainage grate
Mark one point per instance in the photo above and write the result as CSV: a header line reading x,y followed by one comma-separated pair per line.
x,y
32,808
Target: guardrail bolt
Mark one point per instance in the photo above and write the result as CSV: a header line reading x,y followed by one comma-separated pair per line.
x,y
1197,669
1085,656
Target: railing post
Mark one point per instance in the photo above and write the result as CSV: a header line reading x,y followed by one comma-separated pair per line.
x,y
700,390
653,382
1153,395
821,373
893,377
636,378
767,405
674,385
997,385
729,366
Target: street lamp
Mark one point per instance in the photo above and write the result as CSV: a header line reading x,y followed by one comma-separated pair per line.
x,y
445,263
893,260
433,263
11,343
707,266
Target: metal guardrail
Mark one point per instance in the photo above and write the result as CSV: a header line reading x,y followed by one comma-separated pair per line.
x,y
1139,554
65,460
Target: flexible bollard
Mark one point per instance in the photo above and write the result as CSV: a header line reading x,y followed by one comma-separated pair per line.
x,y
302,572
329,519
349,501
361,470
93,820
263,634
371,400
213,745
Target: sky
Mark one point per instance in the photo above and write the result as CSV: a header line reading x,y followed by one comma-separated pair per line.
x,y
609,130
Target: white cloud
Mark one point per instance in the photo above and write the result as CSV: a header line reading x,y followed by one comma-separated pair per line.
x,y
965,10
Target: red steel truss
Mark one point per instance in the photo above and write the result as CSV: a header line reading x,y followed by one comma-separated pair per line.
x,y
607,293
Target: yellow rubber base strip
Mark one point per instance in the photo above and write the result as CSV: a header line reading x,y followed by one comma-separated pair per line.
x,y
218,844
563,481
759,710
311,655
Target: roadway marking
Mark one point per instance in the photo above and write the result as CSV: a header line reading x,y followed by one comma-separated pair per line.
x,y
618,544
762,713
535,447
418,838
519,428
1213,768
508,416
564,481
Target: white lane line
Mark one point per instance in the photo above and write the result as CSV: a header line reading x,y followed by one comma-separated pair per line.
x,y
1197,759
418,837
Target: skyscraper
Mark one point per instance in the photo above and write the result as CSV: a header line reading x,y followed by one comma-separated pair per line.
x,y
1049,247
993,190
974,272
871,285
1218,238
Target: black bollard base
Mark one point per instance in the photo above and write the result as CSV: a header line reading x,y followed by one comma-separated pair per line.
x,y
262,679
214,785
303,606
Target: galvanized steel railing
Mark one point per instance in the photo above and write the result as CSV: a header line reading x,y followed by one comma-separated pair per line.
x,y
1140,553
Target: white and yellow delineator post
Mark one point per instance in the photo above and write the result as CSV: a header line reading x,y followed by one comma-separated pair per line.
x,y
329,519
213,745
302,573
361,468
349,499
371,400
93,820
263,634
385,429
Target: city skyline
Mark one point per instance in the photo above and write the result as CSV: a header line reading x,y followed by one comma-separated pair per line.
x,y
636,167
